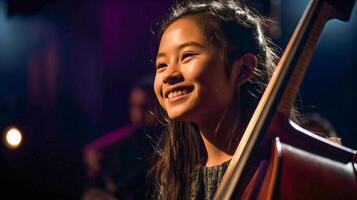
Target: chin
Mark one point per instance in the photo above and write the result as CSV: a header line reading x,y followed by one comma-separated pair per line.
x,y
182,111
176,116
181,115
177,113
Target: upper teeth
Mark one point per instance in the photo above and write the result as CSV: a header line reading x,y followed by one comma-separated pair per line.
x,y
176,93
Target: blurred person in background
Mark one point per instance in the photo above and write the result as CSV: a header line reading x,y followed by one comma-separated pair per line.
x,y
116,163
321,127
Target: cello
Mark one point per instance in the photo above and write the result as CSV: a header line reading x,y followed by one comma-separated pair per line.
x,y
301,165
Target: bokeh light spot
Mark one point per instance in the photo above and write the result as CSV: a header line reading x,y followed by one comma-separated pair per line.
x,y
13,138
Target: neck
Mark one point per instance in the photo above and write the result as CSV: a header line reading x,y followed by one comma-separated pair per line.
x,y
221,135
215,155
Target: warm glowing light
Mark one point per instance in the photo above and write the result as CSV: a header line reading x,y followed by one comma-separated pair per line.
x,y
13,138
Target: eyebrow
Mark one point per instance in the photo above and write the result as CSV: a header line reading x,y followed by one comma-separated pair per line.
x,y
186,44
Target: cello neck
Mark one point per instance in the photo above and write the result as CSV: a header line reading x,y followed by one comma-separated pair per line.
x,y
295,60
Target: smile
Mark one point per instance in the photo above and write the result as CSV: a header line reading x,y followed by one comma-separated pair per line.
x,y
176,93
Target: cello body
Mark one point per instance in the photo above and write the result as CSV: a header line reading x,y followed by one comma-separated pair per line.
x,y
303,166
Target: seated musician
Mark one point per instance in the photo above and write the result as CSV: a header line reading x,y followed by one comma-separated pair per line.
x,y
116,163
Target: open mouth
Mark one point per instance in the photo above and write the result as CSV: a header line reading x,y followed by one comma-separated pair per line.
x,y
178,92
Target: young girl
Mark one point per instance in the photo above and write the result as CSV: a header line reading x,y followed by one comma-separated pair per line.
x,y
212,63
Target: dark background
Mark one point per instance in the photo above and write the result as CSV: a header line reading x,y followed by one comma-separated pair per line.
x,y
66,68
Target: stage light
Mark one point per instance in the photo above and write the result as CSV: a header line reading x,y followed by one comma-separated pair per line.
x,y
13,138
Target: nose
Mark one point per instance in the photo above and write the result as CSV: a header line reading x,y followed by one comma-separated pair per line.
x,y
172,77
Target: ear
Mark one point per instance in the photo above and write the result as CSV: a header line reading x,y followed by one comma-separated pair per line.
x,y
243,68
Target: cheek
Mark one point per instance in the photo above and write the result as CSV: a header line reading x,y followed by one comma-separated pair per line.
x,y
196,69
216,86
206,69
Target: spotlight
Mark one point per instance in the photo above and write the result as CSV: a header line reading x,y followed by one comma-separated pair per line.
x,y
13,138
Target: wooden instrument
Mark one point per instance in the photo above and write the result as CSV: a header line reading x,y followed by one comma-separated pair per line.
x,y
300,165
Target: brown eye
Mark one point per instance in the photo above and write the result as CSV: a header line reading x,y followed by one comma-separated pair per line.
x,y
187,55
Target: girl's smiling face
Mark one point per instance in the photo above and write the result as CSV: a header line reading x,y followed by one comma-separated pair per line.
x,y
190,82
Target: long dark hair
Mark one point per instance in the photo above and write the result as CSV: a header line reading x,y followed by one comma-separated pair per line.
x,y
235,29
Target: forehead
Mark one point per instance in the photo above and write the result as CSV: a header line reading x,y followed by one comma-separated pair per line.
x,y
183,30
